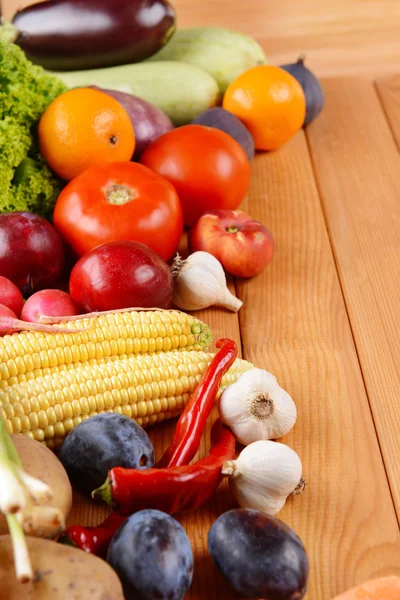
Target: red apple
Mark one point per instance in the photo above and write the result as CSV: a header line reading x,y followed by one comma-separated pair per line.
x,y
243,246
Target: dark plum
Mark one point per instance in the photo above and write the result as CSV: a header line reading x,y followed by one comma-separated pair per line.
x,y
259,555
222,119
315,98
100,443
152,555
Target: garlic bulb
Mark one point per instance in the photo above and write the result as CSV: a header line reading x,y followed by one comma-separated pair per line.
x,y
264,475
200,282
256,408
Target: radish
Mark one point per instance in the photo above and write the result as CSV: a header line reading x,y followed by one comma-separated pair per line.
x,y
52,303
10,296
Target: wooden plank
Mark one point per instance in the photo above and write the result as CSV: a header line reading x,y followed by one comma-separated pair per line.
x,y
389,93
339,36
294,323
358,166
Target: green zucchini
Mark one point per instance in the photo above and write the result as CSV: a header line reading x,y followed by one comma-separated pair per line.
x,y
223,53
180,90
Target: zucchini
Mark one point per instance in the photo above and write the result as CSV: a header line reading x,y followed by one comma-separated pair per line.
x,y
181,90
223,53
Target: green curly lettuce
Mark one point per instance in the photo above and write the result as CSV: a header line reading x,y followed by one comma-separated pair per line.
x,y
26,183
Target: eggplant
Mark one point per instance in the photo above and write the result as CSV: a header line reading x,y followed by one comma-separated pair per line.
x,y
85,34
149,122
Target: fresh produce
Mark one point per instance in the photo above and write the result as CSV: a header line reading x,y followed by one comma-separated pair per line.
x,y
63,34
383,588
223,53
270,102
116,202
26,183
100,443
148,388
113,335
312,88
24,500
208,168
219,118
173,489
83,128
190,426
243,246
257,408
7,312
65,572
180,90
31,252
272,562
200,282
10,296
264,475
94,540
148,121
53,303
42,464
152,555
10,324
120,275
185,444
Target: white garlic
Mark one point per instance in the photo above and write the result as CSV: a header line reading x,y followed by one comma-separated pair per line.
x,y
200,282
264,475
255,407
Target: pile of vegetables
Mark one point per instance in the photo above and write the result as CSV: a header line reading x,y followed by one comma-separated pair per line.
x,y
97,184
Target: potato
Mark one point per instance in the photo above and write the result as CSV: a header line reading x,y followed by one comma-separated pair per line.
x,y
62,572
40,462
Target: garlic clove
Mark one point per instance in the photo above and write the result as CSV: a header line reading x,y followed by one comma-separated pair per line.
x,y
257,408
264,475
200,282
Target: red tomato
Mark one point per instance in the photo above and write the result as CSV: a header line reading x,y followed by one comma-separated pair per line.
x,y
119,202
208,168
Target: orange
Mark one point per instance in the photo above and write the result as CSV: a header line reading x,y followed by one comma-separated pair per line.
x,y
83,128
270,102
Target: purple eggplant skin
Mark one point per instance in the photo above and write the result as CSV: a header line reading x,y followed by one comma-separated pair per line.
x,y
259,555
315,98
68,35
149,122
222,119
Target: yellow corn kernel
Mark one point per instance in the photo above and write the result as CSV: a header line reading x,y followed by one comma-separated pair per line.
x,y
29,355
148,388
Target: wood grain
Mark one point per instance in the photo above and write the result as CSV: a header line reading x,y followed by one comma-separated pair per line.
x,y
389,94
357,167
306,342
343,37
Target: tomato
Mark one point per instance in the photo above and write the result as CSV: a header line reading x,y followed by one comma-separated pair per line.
x,y
118,202
208,168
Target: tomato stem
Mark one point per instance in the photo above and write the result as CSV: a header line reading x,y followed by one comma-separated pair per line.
x,y
118,194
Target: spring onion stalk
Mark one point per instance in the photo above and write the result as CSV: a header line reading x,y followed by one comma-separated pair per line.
x,y
24,501
22,562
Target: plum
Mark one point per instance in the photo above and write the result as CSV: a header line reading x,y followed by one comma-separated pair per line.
x,y
100,443
259,555
152,555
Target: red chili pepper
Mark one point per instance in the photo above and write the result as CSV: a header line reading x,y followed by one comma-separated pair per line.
x,y
94,540
191,424
173,489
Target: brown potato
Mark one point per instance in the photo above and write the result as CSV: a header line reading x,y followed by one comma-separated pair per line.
x,y
40,462
62,573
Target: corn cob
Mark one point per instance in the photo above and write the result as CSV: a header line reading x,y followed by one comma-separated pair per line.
x,y
31,354
148,388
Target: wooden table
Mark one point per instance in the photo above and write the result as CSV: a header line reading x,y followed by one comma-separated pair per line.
x,y
324,318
